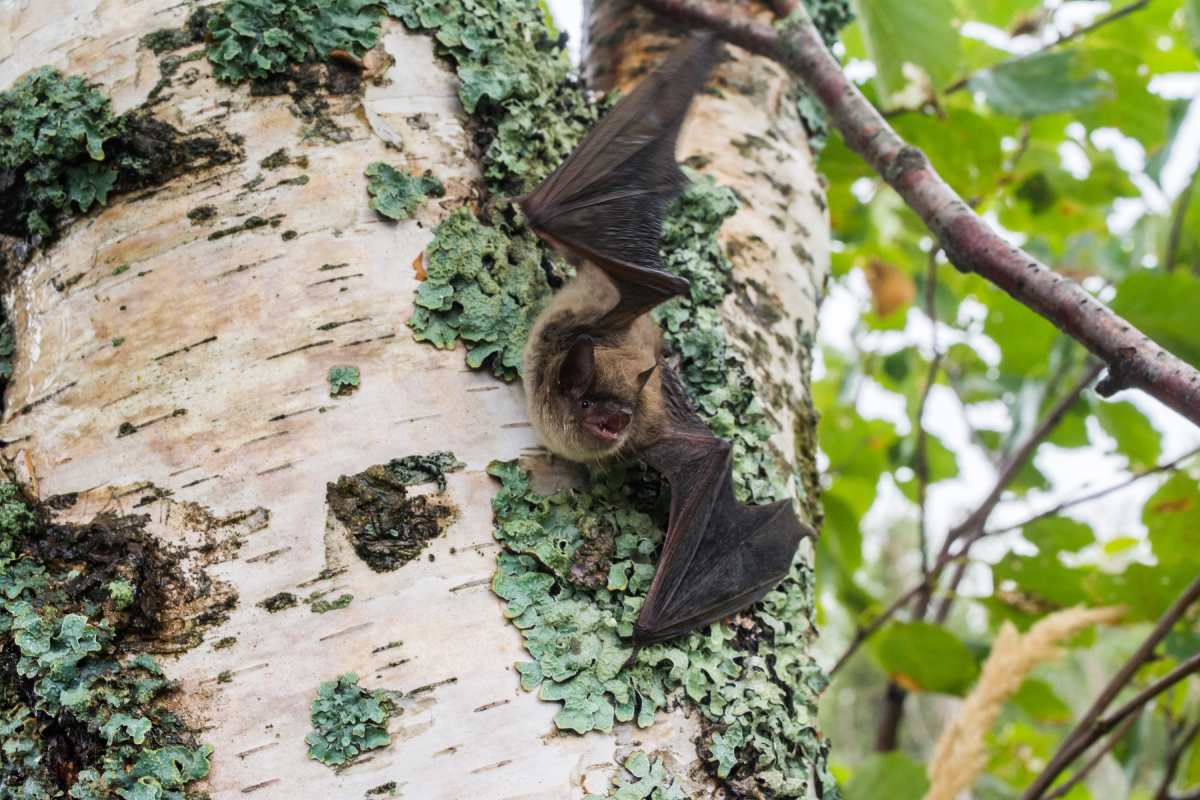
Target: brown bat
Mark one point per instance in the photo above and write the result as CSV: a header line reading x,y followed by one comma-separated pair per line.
x,y
596,382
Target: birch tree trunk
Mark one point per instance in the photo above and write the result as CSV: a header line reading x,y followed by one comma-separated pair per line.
x,y
192,385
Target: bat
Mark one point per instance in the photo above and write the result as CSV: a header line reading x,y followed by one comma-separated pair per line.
x,y
597,382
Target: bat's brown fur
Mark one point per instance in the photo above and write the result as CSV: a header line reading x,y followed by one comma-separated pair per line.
x,y
621,357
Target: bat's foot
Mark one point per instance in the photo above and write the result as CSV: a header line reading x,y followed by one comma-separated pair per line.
x,y
629,662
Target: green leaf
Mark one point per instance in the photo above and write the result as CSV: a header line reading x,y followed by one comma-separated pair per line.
x,y
925,657
1057,534
1170,516
1192,10
1038,699
1043,83
919,32
1025,339
1163,305
893,776
1137,439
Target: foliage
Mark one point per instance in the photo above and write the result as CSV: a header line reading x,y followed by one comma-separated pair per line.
x,y
1029,141
397,195
77,715
347,720
52,133
259,38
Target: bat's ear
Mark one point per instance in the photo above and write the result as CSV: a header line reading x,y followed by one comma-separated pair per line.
x,y
578,367
644,377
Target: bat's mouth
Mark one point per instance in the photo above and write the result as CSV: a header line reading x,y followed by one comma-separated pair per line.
x,y
608,427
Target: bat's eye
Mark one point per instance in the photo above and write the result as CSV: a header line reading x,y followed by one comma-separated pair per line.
x,y
585,403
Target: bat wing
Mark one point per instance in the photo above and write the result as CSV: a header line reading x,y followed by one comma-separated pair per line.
x,y
720,556
606,202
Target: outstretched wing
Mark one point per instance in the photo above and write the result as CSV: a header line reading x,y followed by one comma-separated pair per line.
x,y
720,556
606,202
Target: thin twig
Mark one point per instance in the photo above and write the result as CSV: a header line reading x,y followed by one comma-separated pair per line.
x,y
1123,11
946,555
1095,495
1096,758
921,458
1133,359
1186,668
971,529
1069,750
1181,208
1180,741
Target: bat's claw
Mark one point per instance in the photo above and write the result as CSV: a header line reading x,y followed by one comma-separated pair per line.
x,y
629,662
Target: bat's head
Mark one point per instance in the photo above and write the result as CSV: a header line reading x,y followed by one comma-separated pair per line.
x,y
599,398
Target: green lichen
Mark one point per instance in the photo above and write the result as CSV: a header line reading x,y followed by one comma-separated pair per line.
x,y
753,682
278,602
79,717
643,779
709,366
487,281
347,720
259,38
829,17
53,129
387,526
165,40
342,380
321,605
514,79
122,593
485,285
397,195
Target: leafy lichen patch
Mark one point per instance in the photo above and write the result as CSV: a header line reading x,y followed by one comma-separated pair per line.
x,y
257,39
347,721
52,134
643,779
488,280
62,151
343,380
484,286
387,525
79,715
754,684
397,195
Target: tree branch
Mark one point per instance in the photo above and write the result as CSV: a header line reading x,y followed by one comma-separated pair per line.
x,y
1085,729
1133,359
